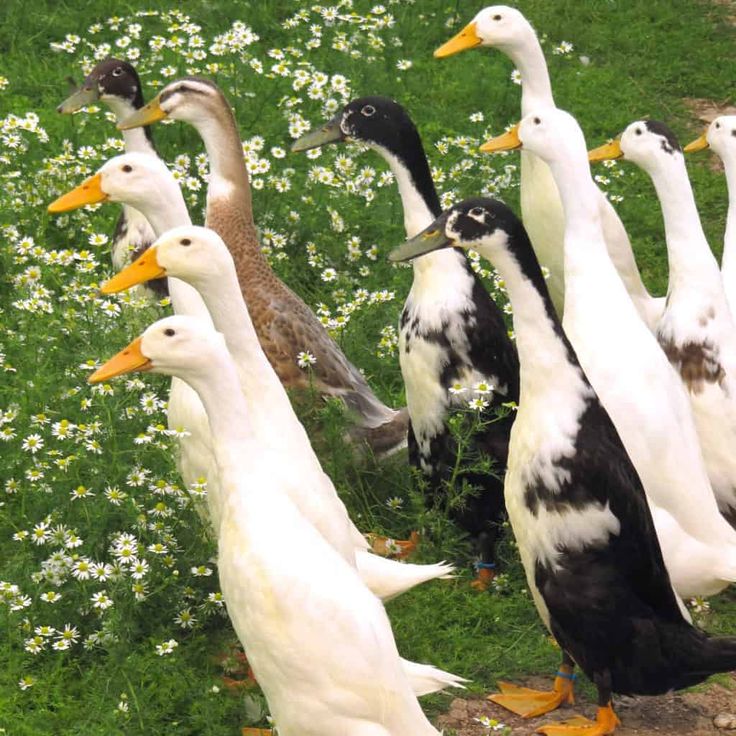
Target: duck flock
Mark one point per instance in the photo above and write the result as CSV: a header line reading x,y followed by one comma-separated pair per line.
x,y
618,470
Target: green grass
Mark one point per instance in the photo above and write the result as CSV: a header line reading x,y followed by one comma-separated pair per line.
x,y
645,57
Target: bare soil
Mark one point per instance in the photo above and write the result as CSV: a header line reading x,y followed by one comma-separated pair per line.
x,y
690,714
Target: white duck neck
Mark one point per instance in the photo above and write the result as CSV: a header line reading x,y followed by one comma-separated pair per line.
x,y
728,265
688,251
227,412
542,345
536,88
418,214
136,139
266,397
164,212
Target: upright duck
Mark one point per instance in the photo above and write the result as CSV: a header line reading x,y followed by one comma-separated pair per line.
x,y
622,359
576,504
697,330
451,331
198,256
721,137
505,28
285,325
318,640
116,83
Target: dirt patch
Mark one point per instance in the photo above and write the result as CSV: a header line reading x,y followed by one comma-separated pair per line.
x,y
685,714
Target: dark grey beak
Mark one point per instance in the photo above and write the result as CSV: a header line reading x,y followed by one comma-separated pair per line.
x,y
330,132
431,238
81,98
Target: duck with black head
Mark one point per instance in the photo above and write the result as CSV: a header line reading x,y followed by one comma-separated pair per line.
x,y
451,333
577,506
116,83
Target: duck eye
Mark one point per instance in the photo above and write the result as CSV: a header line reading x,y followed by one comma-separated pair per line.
x,y
368,110
476,212
496,17
169,332
537,121
117,71
185,241
718,125
638,131
127,168
733,132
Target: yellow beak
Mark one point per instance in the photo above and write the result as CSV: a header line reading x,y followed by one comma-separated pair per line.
x,y
698,144
507,142
466,39
126,361
88,192
144,268
607,151
148,114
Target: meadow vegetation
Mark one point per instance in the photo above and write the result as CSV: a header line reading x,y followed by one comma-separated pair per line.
x,y
111,621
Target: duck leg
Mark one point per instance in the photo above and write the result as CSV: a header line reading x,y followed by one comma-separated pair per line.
x,y
529,703
605,721
486,568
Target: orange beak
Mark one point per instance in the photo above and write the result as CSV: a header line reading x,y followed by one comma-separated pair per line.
x,y
88,192
606,152
509,141
466,39
126,361
698,144
144,268
148,114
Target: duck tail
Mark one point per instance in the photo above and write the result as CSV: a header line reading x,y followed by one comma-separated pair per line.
x,y
389,578
384,434
425,679
700,656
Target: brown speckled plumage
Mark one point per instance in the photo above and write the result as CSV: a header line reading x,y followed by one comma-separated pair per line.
x,y
696,362
284,323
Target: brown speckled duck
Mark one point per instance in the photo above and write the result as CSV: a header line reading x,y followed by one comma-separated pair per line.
x,y
285,325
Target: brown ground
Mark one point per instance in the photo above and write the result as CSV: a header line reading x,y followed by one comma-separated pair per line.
x,y
683,714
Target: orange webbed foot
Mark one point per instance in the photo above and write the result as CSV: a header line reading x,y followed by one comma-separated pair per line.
x,y
605,723
484,577
529,703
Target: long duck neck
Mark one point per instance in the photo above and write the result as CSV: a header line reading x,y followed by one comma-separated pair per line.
x,y
419,200
137,140
540,339
536,88
230,425
688,252
164,212
728,266
229,200
266,397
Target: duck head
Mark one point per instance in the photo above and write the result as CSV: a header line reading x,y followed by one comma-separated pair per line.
x,y
720,136
111,81
191,253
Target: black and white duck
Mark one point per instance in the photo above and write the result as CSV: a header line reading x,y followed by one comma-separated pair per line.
x,y
116,83
576,504
451,331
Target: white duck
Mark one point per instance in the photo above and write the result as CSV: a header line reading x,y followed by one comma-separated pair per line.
x,y
697,330
505,28
318,640
721,137
629,371
199,257
126,179
147,184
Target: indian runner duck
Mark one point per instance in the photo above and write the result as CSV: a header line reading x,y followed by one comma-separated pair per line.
x,y
505,28
116,83
721,137
451,333
286,326
146,182
697,330
126,179
198,256
575,501
319,642
632,376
